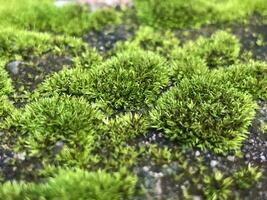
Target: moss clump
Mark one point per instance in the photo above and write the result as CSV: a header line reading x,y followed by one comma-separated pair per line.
x,y
44,124
129,81
195,13
221,50
205,113
250,77
19,45
74,184
5,81
6,108
44,16
148,38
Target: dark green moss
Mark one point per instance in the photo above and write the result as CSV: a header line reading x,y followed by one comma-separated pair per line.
x,y
74,184
205,113
44,16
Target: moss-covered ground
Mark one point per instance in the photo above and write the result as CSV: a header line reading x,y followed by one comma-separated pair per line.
x,y
163,100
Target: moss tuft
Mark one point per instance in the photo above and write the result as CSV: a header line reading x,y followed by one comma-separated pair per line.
x,y
48,122
74,184
19,44
201,112
130,81
149,39
221,50
250,77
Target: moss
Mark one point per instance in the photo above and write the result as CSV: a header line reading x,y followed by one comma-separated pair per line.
x,y
217,186
18,45
250,77
195,13
149,39
201,112
6,108
246,177
43,124
74,184
5,81
44,16
129,81
220,50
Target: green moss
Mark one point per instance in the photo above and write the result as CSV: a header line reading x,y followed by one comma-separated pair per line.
x,y
74,184
6,108
123,128
186,65
5,81
250,77
246,177
18,45
195,13
129,81
217,186
149,39
220,50
44,16
205,113
41,125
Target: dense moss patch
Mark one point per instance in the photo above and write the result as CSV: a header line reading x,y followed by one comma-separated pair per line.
x,y
220,50
74,184
200,112
250,77
44,16
129,81
42,125
148,38
195,13
19,44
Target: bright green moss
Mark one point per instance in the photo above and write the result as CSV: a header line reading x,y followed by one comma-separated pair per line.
x,y
6,108
44,124
149,39
75,82
5,81
123,128
72,185
203,112
195,13
250,77
16,44
186,65
129,81
44,16
220,50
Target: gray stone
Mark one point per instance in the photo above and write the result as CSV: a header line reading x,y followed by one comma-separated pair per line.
x,y
213,163
13,67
